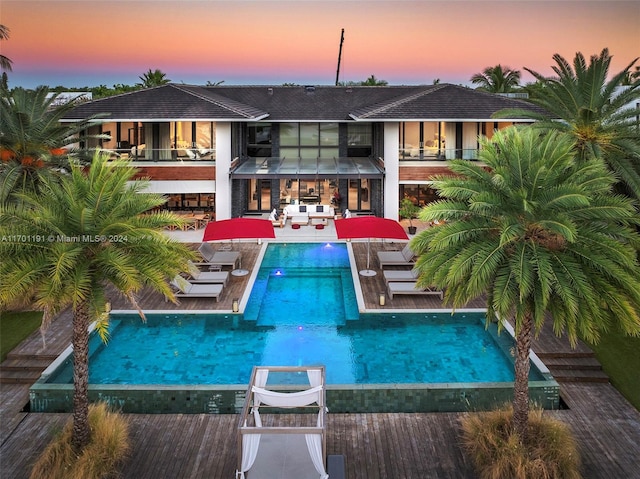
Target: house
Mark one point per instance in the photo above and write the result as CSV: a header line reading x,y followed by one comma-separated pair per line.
x,y
237,150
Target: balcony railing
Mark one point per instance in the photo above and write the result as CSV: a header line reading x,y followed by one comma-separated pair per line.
x,y
435,154
163,154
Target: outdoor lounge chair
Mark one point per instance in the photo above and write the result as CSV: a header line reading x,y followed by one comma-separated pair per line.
x,y
394,287
400,275
406,257
275,219
197,276
200,290
219,258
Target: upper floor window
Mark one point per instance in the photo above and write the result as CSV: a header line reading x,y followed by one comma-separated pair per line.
x,y
421,140
309,140
259,140
359,139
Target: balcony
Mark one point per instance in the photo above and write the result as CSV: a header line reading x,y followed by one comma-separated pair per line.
x,y
435,154
143,154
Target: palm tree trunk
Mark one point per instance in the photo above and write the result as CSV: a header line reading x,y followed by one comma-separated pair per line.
x,y
80,341
521,384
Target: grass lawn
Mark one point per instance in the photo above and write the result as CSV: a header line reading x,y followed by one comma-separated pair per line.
x,y
15,327
620,359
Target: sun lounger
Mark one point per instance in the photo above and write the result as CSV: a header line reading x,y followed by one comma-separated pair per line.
x,y
221,258
187,289
406,257
400,275
394,287
197,276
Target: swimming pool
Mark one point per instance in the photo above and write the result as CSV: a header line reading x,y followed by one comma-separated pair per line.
x,y
302,311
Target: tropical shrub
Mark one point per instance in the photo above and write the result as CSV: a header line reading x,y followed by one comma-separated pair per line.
x,y
107,450
550,450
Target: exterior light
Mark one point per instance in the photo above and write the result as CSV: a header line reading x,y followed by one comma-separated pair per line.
x,y
382,298
235,306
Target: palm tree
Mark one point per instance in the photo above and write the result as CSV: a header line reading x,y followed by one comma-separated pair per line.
x,y
583,102
373,81
497,79
5,63
154,78
33,142
77,236
538,232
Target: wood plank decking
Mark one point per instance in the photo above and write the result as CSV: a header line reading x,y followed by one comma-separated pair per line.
x,y
398,446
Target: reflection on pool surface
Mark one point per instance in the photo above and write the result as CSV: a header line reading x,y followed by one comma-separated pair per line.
x,y
302,311
406,348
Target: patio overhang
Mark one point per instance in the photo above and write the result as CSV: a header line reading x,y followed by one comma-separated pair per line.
x,y
307,168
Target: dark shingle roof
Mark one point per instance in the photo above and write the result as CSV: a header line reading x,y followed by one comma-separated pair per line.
x,y
168,102
441,102
312,103
300,103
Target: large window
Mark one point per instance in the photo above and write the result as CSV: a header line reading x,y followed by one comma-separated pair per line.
x,y
421,140
259,140
309,140
420,195
359,140
193,140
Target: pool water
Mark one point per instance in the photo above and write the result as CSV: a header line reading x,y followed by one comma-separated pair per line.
x,y
302,311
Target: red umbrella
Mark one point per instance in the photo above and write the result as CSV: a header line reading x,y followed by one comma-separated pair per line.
x,y
369,227
237,228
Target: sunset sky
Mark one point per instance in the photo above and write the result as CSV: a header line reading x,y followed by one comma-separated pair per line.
x,y
80,43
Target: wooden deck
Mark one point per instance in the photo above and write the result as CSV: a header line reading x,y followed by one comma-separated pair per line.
x,y
406,446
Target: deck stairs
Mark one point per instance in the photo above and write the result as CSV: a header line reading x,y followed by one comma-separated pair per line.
x,y
24,368
574,367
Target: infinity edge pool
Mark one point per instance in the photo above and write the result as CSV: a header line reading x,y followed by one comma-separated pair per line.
x,y
342,398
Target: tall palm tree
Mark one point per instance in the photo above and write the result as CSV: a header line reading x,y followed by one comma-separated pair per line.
x,y
154,78
5,63
585,103
497,79
33,142
537,232
76,237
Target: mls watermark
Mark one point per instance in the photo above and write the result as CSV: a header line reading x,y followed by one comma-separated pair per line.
x,y
64,239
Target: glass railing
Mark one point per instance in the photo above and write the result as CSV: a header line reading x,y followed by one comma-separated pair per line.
x,y
434,154
163,154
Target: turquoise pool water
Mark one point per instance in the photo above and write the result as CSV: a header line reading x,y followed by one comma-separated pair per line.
x,y
302,311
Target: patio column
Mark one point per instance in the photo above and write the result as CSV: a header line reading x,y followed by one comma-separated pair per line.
x,y
223,165
392,169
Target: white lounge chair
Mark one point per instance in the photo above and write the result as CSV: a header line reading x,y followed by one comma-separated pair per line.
x,y
275,220
219,258
395,287
406,257
400,275
200,290
197,276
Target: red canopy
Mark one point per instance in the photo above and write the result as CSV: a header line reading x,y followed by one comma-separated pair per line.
x,y
370,227
237,228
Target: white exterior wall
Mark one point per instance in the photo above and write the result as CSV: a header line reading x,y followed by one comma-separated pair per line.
x,y
223,165
392,170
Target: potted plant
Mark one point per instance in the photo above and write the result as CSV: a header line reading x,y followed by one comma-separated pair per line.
x,y
409,210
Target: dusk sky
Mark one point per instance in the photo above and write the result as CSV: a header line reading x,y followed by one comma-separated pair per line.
x,y
81,43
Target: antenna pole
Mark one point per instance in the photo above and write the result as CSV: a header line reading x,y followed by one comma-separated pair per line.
x,y
339,56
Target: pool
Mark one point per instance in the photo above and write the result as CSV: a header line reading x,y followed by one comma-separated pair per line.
x,y
302,311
